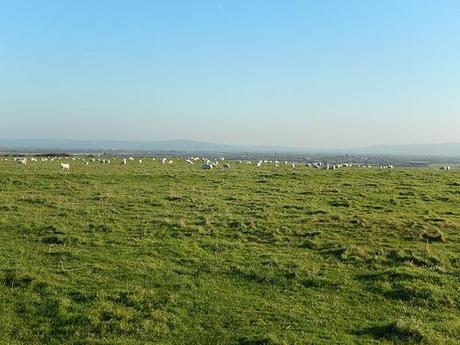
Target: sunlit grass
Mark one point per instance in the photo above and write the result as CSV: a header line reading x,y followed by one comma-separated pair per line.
x,y
157,253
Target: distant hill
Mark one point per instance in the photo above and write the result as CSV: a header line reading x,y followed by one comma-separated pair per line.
x,y
109,145
69,145
118,145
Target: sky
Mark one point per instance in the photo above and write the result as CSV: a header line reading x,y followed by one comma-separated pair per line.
x,y
312,74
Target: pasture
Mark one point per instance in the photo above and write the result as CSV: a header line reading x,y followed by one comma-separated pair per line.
x,y
157,253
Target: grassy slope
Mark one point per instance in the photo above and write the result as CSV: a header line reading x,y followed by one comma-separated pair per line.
x,y
150,253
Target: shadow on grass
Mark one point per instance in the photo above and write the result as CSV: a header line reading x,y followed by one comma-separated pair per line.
x,y
397,331
257,341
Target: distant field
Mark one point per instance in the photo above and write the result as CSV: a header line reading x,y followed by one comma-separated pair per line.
x,y
173,254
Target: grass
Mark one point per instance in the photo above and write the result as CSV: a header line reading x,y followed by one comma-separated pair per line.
x,y
172,254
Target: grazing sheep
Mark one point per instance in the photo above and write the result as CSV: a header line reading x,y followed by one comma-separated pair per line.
x,y
65,166
208,165
227,166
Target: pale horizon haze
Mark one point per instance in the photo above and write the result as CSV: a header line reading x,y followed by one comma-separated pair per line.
x,y
317,74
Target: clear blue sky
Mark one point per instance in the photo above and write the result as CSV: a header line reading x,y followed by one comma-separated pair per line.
x,y
295,73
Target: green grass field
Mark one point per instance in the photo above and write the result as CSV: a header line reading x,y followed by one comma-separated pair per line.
x,y
173,254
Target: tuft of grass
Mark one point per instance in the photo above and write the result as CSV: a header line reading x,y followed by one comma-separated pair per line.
x,y
433,236
173,196
104,228
13,279
400,331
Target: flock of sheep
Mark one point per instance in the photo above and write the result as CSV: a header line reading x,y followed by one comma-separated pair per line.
x,y
205,162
